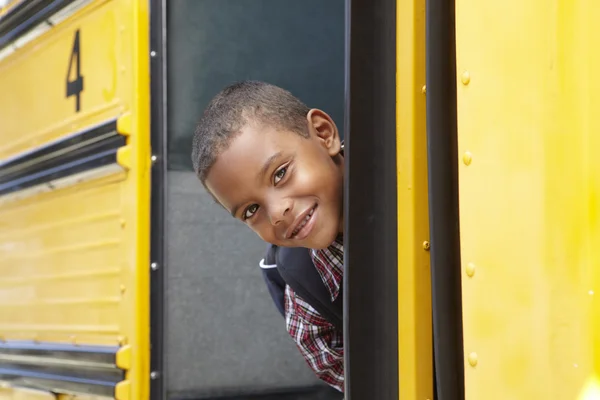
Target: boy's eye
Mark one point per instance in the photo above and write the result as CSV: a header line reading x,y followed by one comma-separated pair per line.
x,y
250,211
279,175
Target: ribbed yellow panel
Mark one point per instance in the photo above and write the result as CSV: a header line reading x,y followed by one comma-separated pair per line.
x,y
74,262
529,135
414,282
61,264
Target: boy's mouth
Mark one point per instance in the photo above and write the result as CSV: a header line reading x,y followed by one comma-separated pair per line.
x,y
303,224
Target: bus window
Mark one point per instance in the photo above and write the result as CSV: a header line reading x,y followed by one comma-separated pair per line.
x,y
223,333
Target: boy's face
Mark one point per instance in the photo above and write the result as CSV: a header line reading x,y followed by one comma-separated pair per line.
x,y
285,187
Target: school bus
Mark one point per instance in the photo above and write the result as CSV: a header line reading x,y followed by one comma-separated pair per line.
x,y
472,198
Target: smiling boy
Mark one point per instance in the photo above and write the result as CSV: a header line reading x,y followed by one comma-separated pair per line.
x,y
277,166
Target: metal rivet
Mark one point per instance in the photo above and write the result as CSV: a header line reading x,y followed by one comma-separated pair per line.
x,y
473,359
470,270
426,245
465,78
154,375
152,53
154,266
424,89
467,158
153,159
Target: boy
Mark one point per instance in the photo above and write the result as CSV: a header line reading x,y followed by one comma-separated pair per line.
x,y
278,166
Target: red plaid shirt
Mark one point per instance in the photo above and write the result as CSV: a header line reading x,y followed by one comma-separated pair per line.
x,y
321,344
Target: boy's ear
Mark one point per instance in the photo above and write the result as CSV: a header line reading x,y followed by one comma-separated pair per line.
x,y
322,126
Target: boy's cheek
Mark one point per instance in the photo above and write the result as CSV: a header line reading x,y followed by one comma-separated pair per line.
x,y
264,233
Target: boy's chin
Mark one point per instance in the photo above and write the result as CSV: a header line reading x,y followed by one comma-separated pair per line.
x,y
323,241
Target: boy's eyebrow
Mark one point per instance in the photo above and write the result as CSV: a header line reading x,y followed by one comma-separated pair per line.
x,y
266,166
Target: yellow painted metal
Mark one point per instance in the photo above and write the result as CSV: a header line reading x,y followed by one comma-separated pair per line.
x,y
74,262
62,258
123,390
123,359
81,397
529,182
138,272
10,393
36,78
414,284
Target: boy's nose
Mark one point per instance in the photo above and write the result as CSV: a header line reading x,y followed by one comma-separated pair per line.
x,y
279,213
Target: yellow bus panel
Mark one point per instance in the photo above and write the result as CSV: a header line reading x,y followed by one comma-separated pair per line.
x,y
529,184
414,278
74,252
77,74
10,393
62,258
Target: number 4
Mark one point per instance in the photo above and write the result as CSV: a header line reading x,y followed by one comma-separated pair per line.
x,y
75,87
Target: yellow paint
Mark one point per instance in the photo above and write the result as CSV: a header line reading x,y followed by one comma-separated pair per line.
x,y
414,287
467,158
67,255
61,256
10,393
124,124
473,359
123,391
81,397
137,196
465,78
35,77
530,199
470,270
124,357
124,157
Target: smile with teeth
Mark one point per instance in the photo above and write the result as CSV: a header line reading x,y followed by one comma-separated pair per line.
x,y
303,223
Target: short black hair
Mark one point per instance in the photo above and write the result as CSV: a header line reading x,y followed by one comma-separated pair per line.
x,y
234,107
